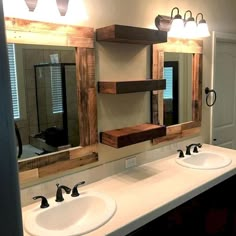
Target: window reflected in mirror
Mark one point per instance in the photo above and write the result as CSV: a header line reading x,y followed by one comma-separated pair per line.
x,y
170,94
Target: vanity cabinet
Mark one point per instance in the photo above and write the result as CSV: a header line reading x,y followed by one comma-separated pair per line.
x,y
132,35
212,213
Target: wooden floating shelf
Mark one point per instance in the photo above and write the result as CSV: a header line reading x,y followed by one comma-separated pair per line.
x,y
130,34
119,87
130,135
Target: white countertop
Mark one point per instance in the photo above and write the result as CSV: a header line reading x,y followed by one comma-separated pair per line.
x,y
146,192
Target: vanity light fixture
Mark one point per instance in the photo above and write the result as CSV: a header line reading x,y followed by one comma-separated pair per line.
x,y
62,6
31,4
183,28
163,22
177,25
190,26
202,27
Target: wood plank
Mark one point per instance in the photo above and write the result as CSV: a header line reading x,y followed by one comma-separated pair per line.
x,y
119,87
87,110
197,87
82,151
67,165
166,138
172,132
50,38
44,160
34,32
92,97
92,109
46,165
29,175
90,60
81,74
157,96
23,25
191,128
179,131
181,46
191,132
130,34
190,125
130,135
174,129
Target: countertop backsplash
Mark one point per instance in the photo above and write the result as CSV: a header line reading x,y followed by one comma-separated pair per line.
x,y
48,189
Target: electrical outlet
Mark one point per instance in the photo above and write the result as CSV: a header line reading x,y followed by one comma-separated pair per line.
x,y
130,162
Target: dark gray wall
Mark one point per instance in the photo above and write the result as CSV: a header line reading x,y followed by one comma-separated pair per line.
x,y
10,207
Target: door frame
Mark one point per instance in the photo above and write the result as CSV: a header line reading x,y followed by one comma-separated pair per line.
x,y
217,37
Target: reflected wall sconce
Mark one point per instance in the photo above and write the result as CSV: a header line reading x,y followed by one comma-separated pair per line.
x,y
31,4
62,6
183,28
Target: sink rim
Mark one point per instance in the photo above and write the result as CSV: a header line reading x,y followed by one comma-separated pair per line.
x,y
34,229
226,161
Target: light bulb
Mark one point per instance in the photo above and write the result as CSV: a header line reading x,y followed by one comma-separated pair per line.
x,y
202,30
62,6
202,27
31,4
176,29
190,29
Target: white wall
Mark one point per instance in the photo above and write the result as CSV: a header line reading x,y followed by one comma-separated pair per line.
x,y
219,14
115,61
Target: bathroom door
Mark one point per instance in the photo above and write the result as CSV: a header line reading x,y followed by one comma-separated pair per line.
x,y
224,110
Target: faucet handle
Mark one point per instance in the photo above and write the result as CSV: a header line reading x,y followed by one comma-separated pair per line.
x,y
195,150
75,192
44,201
181,153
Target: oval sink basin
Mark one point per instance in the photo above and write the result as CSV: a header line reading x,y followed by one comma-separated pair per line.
x,y
72,217
204,160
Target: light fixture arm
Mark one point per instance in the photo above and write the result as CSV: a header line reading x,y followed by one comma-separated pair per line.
x,y
190,17
177,16
200,21
202,26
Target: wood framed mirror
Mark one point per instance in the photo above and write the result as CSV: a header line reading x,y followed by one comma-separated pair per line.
x,y
192,126
19,31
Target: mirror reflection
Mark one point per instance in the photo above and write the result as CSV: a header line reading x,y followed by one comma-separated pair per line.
x,y
177,97
189,100
44,95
